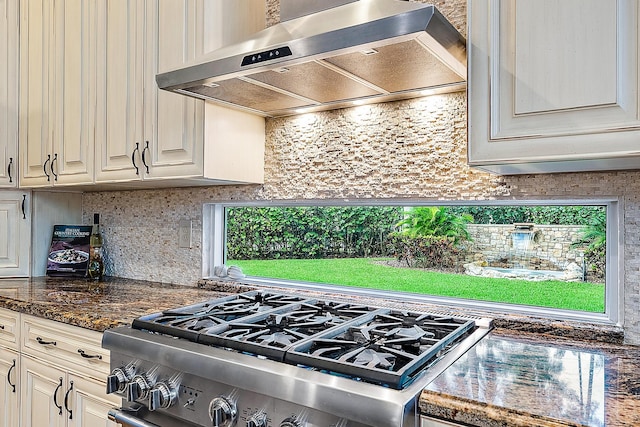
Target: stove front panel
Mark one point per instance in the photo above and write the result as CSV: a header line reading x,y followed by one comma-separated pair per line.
x,y
197,399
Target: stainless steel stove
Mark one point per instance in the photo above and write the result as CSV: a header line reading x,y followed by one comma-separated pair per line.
x,y
269,359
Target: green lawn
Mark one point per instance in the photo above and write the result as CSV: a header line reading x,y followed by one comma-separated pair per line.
x,y
365,273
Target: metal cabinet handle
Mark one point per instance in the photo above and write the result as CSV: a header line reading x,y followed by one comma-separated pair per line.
x,y
9,169
44,167
43,342
89,356
144,162
9,375
66,400
55,159
133,158
24,201
55,397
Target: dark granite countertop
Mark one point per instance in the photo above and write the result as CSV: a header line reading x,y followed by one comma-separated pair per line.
x,y
95,305
524,379
509,379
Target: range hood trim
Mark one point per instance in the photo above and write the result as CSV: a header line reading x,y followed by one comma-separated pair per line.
x,y
420,22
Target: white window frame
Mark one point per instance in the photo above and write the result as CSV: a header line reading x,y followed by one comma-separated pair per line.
x,y
213,246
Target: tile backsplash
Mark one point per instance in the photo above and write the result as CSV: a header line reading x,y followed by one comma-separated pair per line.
x,y
409,149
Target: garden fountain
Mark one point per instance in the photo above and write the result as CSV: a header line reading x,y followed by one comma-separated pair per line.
x,y
517,262
522,239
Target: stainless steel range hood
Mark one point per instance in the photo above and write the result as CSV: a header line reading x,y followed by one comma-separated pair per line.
x,y
361,52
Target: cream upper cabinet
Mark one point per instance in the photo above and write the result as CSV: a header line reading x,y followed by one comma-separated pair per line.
x,y
119,90
161,138
553,85
8,93
57,92
15,233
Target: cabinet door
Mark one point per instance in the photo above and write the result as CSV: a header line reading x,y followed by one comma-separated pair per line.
x,y
9,375
8,93
553,85
89,403
173,122
180,32
74,91
120,90
42,392
15,233
35,93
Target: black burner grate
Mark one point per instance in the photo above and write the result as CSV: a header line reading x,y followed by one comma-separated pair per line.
x,y
387,348
378,345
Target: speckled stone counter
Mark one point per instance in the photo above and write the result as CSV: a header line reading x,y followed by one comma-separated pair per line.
x,y
533,380
509,379
95,305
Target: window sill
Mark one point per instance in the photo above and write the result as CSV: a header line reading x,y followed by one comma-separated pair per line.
x,y
554,323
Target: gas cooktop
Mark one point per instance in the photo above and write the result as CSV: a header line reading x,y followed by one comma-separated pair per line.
x,y
271,359
378,345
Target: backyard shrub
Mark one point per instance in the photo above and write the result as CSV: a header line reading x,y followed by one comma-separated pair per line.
x,y
594,237
430,238
436,222
434,252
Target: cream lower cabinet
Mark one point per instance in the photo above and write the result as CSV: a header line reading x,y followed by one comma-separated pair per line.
x,y
8,93
57,92
52,396
62,376
9,368
553,85
15,233
9,371
145,134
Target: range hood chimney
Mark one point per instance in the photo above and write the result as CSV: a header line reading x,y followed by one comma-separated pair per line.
x,y
361,51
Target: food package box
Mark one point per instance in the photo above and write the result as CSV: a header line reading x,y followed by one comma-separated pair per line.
x,y
69,253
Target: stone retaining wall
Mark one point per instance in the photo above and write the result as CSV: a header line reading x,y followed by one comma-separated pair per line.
x,y
550,248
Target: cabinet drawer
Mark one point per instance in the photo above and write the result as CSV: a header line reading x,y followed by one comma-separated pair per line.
x,y
68,346
432,422
9,330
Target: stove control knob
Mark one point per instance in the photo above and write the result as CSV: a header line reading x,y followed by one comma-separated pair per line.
x,y
138,388
258,419
162,396
117,381
223,412
292,421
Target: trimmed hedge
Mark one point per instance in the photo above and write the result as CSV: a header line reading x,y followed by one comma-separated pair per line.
x,y
309,232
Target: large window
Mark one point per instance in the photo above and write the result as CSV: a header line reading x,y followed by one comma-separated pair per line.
x,y
551,258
